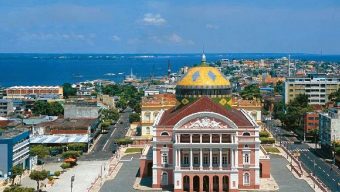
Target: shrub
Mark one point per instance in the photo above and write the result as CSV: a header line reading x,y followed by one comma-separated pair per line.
x,y
123,141
266,140
39,150
264,134
18,189
65,165
57,173
76,146
73,154
50,178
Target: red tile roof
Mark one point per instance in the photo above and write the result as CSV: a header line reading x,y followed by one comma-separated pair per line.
x,y
175,114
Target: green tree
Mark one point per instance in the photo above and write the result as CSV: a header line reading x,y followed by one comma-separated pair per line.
x,y
68,90
295,112
251,92
16,171
18,189
335,96
38,176
134,117
279,87
39,150
45,108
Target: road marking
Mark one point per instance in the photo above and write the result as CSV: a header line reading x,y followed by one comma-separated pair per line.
x,y
327,174
127,159
319,167
333,179
108,140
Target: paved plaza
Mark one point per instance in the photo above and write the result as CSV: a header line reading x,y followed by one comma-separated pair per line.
x,y
284,178
85,173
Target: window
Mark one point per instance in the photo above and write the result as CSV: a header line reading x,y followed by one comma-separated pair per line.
x,y
147,130
205,159
246,134
246,158
246,180
186,160
215,160
196,160
164,158
164,178
246,146
224,160
165,134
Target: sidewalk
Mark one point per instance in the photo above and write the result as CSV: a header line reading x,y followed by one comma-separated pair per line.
x,y
305,176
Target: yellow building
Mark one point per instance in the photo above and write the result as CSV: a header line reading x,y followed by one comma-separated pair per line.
x,y
151,106
316,86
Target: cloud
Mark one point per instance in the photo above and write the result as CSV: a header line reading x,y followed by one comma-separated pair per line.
x,y
175,38
115,38
172,38
57,37
153,19
212,26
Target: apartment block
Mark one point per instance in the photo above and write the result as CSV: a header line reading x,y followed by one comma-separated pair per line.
x,y
316,86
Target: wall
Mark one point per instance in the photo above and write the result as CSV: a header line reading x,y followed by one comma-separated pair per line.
x,y
74,112
265,168
4,159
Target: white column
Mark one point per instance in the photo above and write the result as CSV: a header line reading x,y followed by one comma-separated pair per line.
x,y
190,138
220,158
201,159
200,138
179,159
210,162
232,155
210,138
220,138
191,165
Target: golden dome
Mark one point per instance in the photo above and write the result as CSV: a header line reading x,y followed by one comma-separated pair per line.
x,y
204,76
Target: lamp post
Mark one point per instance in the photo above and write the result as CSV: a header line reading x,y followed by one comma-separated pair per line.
x,y
72,180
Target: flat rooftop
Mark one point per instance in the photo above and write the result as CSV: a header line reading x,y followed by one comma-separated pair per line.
x,y
68,124
9,133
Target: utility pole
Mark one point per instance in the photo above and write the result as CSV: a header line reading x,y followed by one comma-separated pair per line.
x,y
72,180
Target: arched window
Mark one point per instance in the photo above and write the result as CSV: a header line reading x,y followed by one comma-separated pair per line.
x,y
246,158
164,158
147,130
164,134
164,178
246,146
246,179
246,134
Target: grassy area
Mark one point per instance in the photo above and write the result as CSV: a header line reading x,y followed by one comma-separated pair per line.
x,y
271,149
134,150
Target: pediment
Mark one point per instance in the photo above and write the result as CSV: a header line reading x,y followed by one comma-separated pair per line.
x,y
205,123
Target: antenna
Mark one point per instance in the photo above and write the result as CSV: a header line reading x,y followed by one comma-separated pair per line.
x,y
289,65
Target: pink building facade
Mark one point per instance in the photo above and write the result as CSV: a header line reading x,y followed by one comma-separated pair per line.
x,y
205,147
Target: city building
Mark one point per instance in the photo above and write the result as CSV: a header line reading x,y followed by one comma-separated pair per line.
x,y
311,122
14,150
329,128
203,144
107,101
22,92
151,106
81,109
6,107
316,86
253,107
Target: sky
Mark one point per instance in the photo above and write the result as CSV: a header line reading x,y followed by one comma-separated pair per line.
x,y
176,26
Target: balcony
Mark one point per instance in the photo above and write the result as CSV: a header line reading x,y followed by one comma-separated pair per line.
x,y
246,139
20,145
20,153
206,167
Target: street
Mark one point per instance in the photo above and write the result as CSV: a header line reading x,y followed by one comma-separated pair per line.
x,y
325,172
103,148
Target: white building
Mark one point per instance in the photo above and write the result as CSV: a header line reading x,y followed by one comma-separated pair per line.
x,y
329,127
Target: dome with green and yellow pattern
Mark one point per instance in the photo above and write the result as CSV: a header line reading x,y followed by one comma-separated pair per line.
x,y
204,80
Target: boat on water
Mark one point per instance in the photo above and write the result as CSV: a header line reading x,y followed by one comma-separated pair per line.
x,y
120,73
109,74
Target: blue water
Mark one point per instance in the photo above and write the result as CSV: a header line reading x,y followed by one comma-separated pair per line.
x,y
55,69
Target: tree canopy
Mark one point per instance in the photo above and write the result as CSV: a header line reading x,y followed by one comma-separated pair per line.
x,y
335,96
38,176
68,90
134,117
251,92
16,171
39,150
46,108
